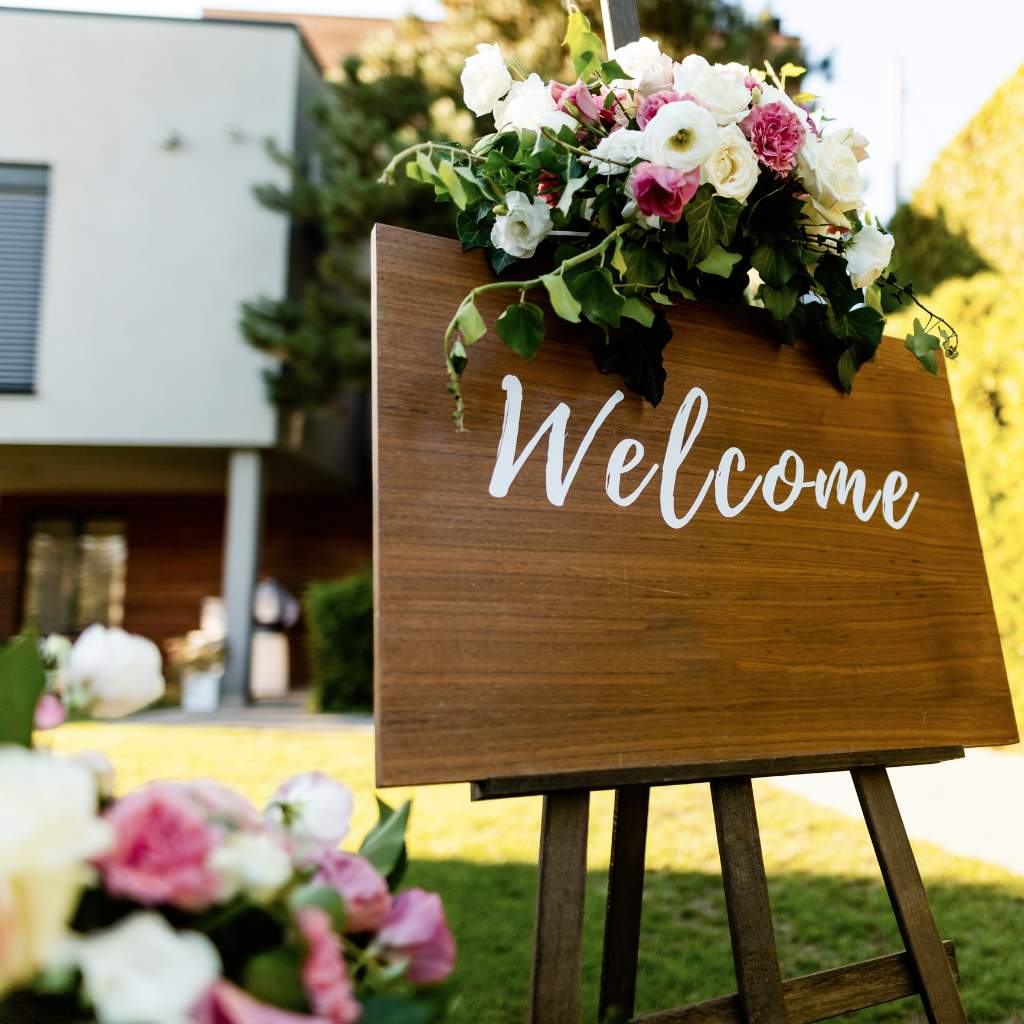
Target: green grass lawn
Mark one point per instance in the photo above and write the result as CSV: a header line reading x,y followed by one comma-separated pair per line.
x,y
828,901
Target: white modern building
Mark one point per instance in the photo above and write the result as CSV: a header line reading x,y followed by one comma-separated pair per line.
x,y
137,448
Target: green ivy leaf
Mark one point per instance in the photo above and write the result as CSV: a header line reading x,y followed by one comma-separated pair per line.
x,y
637,358
474,226
584,45
847,369
275,977
873,297
500,260
711,220
779,302
427,172
924,346
459,358
598,295
644,264
22,679
384,845
636,309
720,262
563,302
610,71
659,297
471,323
521,327
776,262
863,327
833,277
453,183
675,286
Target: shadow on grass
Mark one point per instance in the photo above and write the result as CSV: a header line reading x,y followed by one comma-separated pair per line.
x,y
820,922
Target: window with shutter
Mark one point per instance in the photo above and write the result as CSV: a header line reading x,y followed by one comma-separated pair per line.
x,y
22,229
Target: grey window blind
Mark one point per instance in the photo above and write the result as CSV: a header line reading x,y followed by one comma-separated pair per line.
x,y
22,231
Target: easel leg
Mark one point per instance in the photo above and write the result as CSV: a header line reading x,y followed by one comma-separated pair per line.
x,y
561,890
906,892
625,900
746,899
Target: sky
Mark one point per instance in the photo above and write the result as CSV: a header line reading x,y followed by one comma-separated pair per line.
x,y
953,59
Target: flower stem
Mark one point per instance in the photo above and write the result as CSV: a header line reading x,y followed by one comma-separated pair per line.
x,y
388,174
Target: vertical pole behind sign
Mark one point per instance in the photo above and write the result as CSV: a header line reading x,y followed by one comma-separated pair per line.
x,y
621,23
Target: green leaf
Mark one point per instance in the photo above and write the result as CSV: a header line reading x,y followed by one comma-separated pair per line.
x,y
847,369
644,264
610,71
384,844
323,896
637,358
636,309
275,977
563,302
458,357
453,183
471,323
779,302
500,260
521,327
776,262
474,226
394,1010
584,45
863,327
924,345
873,297
598,295
22,679
711,220
427,172
659,297
720,262
675,286
833,277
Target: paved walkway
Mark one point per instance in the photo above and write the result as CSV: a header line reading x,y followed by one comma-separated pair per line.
x,y
971,807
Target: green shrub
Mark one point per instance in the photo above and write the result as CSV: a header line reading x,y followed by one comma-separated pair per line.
x,y
339,623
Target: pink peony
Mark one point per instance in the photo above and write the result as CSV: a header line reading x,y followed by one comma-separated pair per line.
x,y
416,930
49,712
325,974
161,846
580,97
363,888
225,1003
776,134
663,192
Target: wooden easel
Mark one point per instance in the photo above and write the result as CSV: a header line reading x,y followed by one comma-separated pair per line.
x,y
928,967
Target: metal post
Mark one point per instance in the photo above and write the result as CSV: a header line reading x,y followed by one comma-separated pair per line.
x,y
621,23
241,560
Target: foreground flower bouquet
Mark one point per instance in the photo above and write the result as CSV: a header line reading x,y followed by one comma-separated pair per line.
x,y
648,181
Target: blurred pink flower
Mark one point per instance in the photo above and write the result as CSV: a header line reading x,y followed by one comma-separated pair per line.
x,y
221,805
49,712
324,973
753,83
776,134
663,192
650,105
416,930
225,1003
161,847
363,888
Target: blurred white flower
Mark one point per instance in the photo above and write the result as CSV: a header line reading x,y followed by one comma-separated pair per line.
x,y
96,762
522,229
867,255
251,864
681,135
307,814
111,673
616,152
48,830
525,105
485,79
141,971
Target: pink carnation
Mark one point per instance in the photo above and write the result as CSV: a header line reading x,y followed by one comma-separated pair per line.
x,y
580,97
225,1003
324,973
416,930
161,846
663,192
363,888
776,134
49,712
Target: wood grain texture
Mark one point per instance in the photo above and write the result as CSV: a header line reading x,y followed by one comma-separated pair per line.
x,y
906,893
746,902
516,637
561,892
815,997
625,901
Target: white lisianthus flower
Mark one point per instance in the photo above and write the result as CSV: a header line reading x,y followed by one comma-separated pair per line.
x,y
721,88
309,813
141,971
867,255
648,69
485,79
111,673
523,228
252,864
616,152
48,830
681,135
732,168
525,105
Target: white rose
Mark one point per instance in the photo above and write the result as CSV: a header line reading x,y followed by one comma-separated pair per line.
x,y
252,864
48,830
828,169
867,255
720,88
732,168
525,104
681,135
648,70
857,142
616,152
522,229
113,673
96,762
555,121
141,971
485,79
309,813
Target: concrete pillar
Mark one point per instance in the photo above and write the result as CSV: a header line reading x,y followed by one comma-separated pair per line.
x,y
241,559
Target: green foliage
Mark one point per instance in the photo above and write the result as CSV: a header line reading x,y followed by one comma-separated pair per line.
x,y
275,977
710,220
339,622
637,358
521,327
584,45
22,679
384,845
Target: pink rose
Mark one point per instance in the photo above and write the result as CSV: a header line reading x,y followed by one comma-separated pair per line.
x,y
363,888
776,134
161,846
416,930
650,105
663,192
324,973
580,97
49,712
225,1003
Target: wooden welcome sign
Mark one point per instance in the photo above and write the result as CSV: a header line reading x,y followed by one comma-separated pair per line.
x,y
758,568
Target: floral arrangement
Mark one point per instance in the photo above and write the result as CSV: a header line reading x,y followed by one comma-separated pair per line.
x,y
647,181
